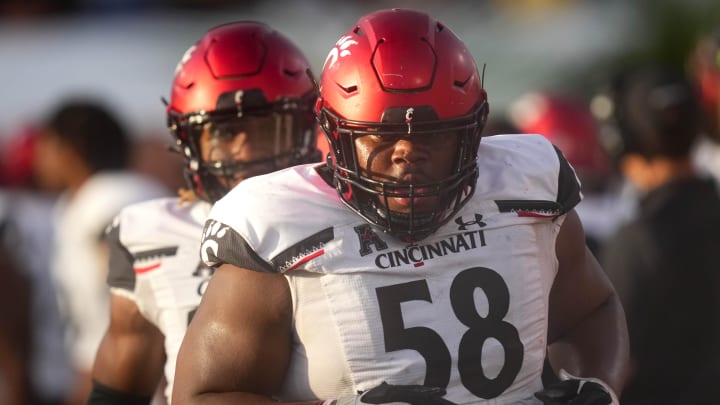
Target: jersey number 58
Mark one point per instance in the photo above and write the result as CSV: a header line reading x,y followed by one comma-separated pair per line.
x,y
432,347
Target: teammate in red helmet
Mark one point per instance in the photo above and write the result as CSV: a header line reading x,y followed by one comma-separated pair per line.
x,y
420,265
241,105
568,122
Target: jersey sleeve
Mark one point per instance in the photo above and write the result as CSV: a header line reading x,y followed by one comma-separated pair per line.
x,y
221,244
121,274
569,191
527,174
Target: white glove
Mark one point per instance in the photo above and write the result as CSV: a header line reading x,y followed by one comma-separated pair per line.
x,y
573,390
395,395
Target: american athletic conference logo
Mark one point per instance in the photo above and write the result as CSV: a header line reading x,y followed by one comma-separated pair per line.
x,y
471,236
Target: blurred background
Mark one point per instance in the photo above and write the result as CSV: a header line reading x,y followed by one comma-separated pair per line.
x,y
124,53
126,50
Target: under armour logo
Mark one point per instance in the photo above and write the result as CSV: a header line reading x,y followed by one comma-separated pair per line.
x,y
463,225
409,117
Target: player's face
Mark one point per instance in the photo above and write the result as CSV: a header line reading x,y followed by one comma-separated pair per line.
x,y
52,159
415,159
246,147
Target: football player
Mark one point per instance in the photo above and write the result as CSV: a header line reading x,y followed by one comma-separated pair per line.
x,y
241,105
662,262
419,266
82,151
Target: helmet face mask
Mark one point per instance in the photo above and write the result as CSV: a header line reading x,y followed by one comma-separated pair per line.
x,y
441,103
241,106
248,146
428,203
225,148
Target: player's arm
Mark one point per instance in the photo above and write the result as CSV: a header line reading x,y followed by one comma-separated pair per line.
x,y
237,347
129,362
587,330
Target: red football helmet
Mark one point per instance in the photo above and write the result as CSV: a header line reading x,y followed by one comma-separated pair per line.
x,y
398,73
705,67
241,76
570,125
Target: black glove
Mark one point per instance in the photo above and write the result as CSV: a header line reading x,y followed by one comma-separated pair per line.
x,y
577,391
397,394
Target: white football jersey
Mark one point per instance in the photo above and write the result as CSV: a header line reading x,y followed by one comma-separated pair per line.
x,y
79,262
154,261
465,309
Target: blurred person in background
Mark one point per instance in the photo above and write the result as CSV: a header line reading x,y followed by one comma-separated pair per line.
x,y
664,262
82,151
27,211
15,324
704,66
241,105
568,123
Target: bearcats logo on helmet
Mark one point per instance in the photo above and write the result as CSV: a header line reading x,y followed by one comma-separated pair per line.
x,y
340,50
398,72
186,57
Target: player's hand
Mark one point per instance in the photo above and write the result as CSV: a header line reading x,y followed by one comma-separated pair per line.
x,y
397,394
577,391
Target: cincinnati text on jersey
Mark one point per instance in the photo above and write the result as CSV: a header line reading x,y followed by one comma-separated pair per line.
x,y
418,254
